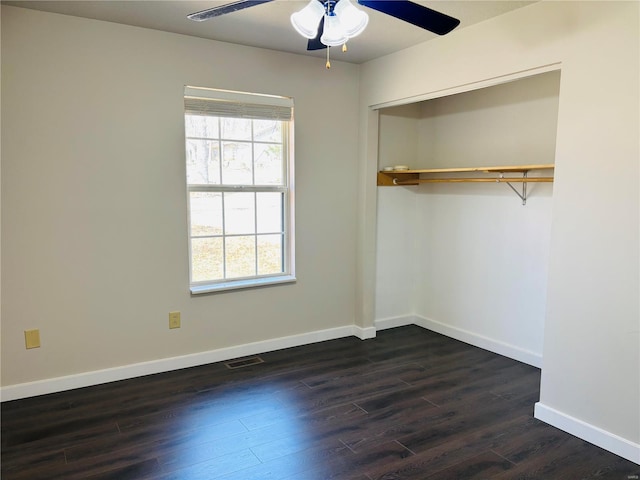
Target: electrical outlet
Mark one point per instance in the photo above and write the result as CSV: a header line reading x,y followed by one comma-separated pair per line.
x,y
174,319
32,338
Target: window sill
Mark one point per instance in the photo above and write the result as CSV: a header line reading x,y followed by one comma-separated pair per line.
x,y
241,284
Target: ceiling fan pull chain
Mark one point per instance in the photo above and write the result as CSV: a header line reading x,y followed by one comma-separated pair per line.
x,y
328,65
344,47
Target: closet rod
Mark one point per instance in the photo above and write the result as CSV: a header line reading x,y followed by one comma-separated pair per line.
x,y
484,180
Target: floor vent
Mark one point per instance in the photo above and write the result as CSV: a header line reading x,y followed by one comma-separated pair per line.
x,y
243,362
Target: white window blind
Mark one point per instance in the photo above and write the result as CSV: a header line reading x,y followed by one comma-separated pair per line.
x,y
226,103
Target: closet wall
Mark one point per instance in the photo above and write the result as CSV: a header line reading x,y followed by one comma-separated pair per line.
x,y
470,260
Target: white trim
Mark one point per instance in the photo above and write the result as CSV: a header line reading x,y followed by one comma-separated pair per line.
x,y
238,284
495,346
393,322
587,432
468,87
238,97
86,379
477,340
364,333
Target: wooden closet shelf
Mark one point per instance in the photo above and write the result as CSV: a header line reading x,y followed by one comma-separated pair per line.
x,y
414,176
503,168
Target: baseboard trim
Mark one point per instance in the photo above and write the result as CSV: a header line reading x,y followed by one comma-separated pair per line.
x,y
87,379
393,322
364,333
495,346
589,433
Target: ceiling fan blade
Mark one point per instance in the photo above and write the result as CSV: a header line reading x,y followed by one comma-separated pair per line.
x,y
224,9
315,43
415,14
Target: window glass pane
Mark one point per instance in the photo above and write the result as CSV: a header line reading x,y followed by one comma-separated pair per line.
x,y
241,256
236,163
239,213
201,126
206,259
206,213
267,131
236,128
203,162
268,164
269,254
269,207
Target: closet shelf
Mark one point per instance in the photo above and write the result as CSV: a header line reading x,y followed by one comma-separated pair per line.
x,y
434,175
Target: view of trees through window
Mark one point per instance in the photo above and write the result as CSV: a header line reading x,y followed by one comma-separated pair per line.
x,y
237,187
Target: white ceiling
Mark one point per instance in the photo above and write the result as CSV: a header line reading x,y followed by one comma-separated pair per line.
x,y
268,25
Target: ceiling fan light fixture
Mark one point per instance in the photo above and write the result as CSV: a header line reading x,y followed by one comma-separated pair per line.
x,y
306,20
353,21
334,34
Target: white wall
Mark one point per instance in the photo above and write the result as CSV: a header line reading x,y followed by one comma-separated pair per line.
x,y
513,123
94,222
402,145
397,242
590,375
483,263
396,236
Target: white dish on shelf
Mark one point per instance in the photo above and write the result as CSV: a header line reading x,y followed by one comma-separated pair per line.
x,y
401,167
388,169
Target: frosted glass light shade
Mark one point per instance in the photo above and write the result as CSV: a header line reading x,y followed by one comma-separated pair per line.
x,y
306,21
333,34
353,21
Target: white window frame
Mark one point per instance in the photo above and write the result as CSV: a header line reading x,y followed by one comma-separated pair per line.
x,y
244,105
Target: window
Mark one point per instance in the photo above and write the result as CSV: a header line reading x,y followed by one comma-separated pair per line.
x,y
239,182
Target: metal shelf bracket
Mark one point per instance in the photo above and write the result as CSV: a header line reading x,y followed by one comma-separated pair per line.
x,y
523,195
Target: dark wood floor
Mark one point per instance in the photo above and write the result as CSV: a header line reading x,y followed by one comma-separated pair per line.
x,y
410,404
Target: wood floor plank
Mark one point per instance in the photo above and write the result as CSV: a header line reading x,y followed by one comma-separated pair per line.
x,y
49,440
153,437
197,449
571,460
321,398
456,449
294,466
357,463
467,419
290,412
481,467
214,468
394,423
26,463
136,471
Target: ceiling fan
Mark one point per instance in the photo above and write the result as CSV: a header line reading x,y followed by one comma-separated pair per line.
x,y
318,21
